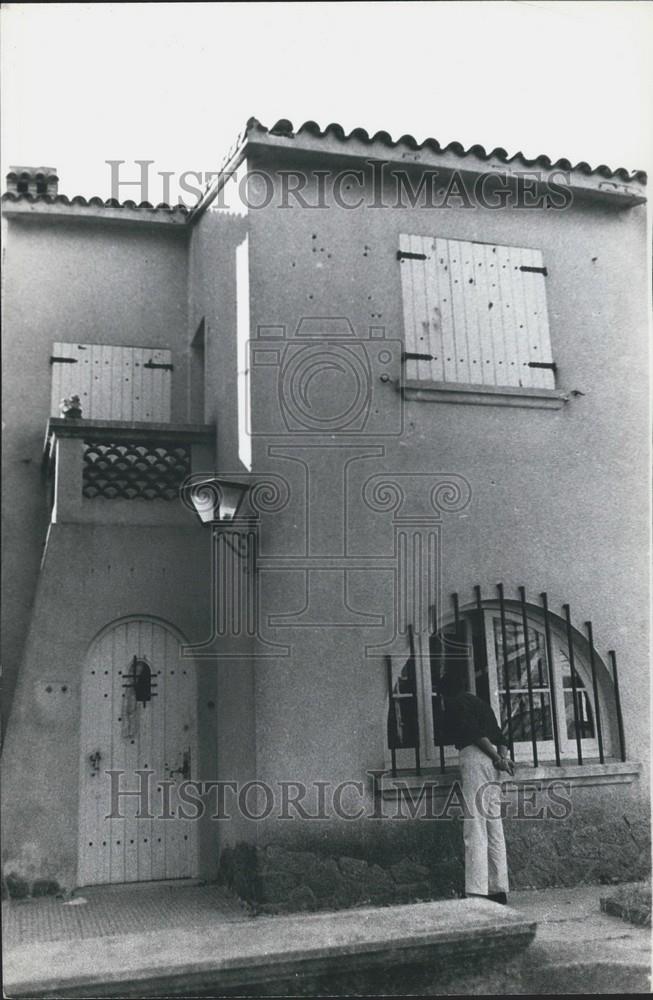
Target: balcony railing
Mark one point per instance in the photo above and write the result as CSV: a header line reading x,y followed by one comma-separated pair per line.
x,y
118,472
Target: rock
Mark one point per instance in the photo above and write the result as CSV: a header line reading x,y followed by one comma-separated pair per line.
x,y
412,892
276,887
279,859
324,878
348,894
406,871
377,885
302,898
353,867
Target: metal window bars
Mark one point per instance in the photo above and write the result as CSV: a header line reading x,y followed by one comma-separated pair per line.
x,y
547,680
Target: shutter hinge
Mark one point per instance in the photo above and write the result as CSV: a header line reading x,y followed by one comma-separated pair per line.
x,y
406,255
407,356
534,270
155,364
543,364
62,361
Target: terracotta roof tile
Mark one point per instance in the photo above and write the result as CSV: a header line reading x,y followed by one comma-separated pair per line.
x,y
285,127
95,202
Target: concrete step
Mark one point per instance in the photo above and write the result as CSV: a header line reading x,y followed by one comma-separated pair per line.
x,y
453,946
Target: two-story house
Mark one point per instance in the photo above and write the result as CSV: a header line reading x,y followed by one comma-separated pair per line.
x,y
405,389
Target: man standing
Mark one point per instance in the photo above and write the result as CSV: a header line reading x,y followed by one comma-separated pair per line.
x,y
483,753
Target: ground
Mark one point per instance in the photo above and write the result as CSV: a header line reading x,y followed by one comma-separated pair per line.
x,y
577,947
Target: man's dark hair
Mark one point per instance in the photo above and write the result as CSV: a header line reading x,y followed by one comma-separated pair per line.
x,y
454,681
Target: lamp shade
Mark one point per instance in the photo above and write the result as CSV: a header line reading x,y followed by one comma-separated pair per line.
x,y
214,499
233,495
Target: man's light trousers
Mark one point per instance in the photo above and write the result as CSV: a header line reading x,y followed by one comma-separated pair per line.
x,y
486,866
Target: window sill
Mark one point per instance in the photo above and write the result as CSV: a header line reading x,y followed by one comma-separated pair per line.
x,y
612,772
483,395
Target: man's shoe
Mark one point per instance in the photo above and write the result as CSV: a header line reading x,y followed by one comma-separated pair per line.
x,y
498,897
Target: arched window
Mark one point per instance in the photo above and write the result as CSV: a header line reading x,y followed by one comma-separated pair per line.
x,y
538,695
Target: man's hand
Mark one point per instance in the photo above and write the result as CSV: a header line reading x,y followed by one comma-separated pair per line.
x,y
505,764
501,760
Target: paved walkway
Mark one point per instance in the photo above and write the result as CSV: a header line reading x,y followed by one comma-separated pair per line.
x,y
362,950
577,948
104,912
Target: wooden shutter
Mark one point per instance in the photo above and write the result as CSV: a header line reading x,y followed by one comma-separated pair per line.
x,y
474,313
113,383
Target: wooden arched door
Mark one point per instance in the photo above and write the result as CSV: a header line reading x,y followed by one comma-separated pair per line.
x,y
138,714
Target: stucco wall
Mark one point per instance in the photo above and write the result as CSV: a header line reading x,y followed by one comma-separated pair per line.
x,y
213,297
558,497
92,576
85,282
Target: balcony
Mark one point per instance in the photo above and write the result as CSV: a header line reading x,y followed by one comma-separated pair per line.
x,y
117,472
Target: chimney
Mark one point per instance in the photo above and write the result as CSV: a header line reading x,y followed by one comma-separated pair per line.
x,y
33,180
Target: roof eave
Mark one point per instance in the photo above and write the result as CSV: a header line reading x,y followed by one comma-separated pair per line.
x,y
95,210
613,189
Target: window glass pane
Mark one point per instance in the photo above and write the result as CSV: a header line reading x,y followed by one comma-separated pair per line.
x,y
402,713
402,723
584,711
440,734
584,714
520,716
520,664
406,682
481,678
515,659
449,651
565,669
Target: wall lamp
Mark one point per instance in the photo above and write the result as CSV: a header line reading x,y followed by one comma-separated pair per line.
x,y
214,499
